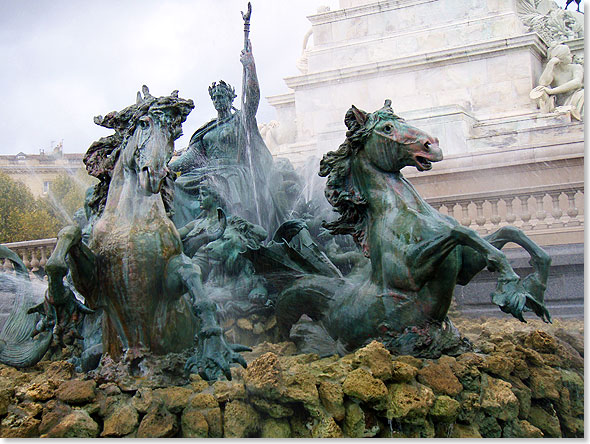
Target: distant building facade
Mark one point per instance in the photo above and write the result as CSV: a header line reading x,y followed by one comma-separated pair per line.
x,y
38,171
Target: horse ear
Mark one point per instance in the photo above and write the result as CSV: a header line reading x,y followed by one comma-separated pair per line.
x,y
146,92
359,115
138,99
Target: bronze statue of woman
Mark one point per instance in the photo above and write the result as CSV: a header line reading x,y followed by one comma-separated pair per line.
x,y
230,155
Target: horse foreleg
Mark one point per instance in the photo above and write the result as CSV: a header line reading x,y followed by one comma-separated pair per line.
x,y
512,294
59,296
214,355
424,258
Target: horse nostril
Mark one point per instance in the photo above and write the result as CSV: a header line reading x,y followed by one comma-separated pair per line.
x,y
427,145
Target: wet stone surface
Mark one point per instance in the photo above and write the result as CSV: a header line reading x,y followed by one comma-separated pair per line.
x,y
528,383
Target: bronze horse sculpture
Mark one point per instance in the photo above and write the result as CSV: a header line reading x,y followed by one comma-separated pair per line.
x,y
133,268
417,254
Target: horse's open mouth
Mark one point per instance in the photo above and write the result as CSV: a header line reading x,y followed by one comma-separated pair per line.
x,y
422,163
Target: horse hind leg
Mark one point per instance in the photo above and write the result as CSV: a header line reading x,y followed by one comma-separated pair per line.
x,y
536,282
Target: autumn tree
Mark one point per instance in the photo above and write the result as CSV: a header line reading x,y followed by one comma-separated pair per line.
x,y
22,217
66,194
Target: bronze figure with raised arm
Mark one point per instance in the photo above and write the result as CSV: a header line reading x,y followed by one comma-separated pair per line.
x,y
228,152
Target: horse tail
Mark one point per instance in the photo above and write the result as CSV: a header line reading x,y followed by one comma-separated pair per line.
x,y
309,296
19,265
27,353
18,348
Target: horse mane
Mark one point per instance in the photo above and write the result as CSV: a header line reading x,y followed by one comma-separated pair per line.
x,y
101,157
340,190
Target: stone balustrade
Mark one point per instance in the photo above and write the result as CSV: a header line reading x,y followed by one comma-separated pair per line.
x,y
551,208
34,253
544,209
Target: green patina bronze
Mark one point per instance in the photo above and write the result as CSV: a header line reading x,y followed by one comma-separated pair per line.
x,y
168,247
417,255
133,268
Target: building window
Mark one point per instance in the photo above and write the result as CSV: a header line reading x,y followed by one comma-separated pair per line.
x,y
46,184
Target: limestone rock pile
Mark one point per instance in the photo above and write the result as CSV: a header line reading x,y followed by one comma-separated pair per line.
x,y
517,383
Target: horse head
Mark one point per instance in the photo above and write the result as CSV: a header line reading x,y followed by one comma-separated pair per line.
x,y
148,130
385,141
390,143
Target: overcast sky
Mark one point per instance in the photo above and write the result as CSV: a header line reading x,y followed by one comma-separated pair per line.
x,y
65,61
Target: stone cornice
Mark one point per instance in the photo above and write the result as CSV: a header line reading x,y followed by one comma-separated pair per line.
x,y
571,151
359,11
430,27
281,99
413,62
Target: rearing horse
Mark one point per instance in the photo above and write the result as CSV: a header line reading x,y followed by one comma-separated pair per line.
x,y
133,267
417,254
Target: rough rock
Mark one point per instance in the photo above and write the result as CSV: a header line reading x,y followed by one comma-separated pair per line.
x,y
209,408
41,391
197,383
468,374
240,420
76,391
575,387
521,428
53,412
440,378
497,399
175,398
273,409
300,424
110,389
403,372
360,384
498,365
326,427
470,407
78,424
445,409
572,427
377,358
523,394
410,360
332,368
194,424
546,422
464,431
410,402
59,371
263,376
541,342
489,427
122,420
332,398
275,428
19,426
354,423
225,391
300,386
545,383
533,358
158,423
142,400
